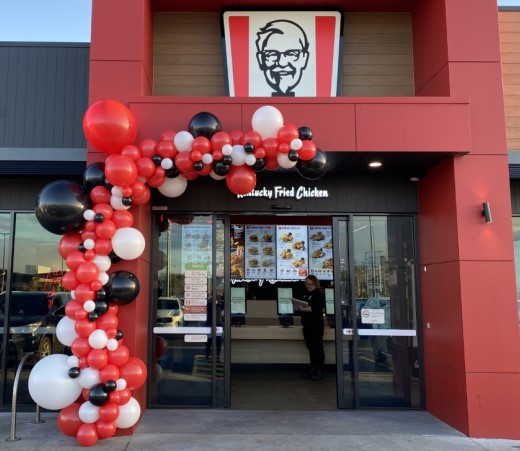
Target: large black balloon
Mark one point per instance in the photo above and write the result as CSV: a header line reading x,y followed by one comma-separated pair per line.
x,y
204,124
122,287
97,395
313,169
94,176
60,206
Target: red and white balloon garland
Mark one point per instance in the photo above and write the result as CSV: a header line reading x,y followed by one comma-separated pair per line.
x,y
92,387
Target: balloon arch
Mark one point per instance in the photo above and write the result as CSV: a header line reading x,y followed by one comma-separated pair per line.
x,y
93,386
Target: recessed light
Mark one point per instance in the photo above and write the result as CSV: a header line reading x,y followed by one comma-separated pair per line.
x,y
414,179
375,164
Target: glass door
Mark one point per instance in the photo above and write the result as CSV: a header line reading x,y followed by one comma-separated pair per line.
x,y
378,357
188,349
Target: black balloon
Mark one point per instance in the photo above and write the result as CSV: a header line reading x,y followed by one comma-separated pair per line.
x,y
99,218
204,124
101,295
293,155
93,316
101,306
119,334
259,165
94,176
60,206
313,169
221,168
157,160
198,165
114,258
172,172
110,385
74,372
227,160
249,148
305,133
122,287
97,395
127,201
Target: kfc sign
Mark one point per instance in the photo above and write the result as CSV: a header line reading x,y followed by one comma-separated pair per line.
x,y
282,53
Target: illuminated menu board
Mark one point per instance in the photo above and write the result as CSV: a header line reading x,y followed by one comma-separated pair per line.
x,y
320,252
196,247
260,252
292,257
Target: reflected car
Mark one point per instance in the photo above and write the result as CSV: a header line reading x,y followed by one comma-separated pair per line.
x,y
33,316
170,312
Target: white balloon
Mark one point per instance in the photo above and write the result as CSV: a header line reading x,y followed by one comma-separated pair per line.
x,y
121,384
98,339
284,162
103,277
215,176
129,414
88,412
116,203
89,243
65,331
173,187
183,141
207,158
239,155
50,385
89,215
267,120
112,344
103,262
89,306
250,160
88,377
227,149
128,243
117,191
73,361
296,144
167,163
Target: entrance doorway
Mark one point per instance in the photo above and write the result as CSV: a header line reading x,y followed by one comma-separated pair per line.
x,y
231,338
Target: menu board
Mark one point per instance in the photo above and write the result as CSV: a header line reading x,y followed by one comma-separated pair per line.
x,y
237,251
196,247
260,247
320,252
292,255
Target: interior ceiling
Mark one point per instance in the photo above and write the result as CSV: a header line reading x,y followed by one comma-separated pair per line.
x,y
345,5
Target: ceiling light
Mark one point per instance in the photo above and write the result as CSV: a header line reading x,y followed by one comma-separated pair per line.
x,y
375,164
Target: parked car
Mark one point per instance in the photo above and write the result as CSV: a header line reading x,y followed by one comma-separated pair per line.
x,y
170,312
33,316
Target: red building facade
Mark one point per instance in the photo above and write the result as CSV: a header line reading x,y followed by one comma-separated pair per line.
x,y
469,330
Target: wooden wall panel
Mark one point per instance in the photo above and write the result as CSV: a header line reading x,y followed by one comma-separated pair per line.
x,y
377,55
509,23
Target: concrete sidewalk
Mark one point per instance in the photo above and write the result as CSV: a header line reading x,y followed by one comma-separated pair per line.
x,y
197,430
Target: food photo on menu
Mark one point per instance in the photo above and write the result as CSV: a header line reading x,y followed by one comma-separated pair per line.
x,y
260,260
320,252
292,254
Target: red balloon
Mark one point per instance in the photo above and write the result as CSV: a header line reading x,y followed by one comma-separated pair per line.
x,y
148,148
89,254
104,209
83,364
119,356
96,285
103,246
69,280
80,347
68,243
217,155
259,152
71,307
100,194
138,188
284,148
87,434
191,175
97,358
89,226
107,321
87,272
86,235
183,161
109,372
287,132
127,191
142,199
237,137
113,308
253,138
166,149
168,135
241,179
201,144
134,372
80,314
156,180
122,218
74,259
84,327
196,155
131,152
114,397
109,126
68,420
124,396
219,139
84,293
307,151
106,429
106,229
121,171
145,167
270,146
206,169
271,163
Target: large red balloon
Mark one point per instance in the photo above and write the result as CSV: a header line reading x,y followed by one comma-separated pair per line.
x,y
109,372
241,179
68,243
105,429
87,434
108,411
121,171
80,347
68,420
100,194
109,126
87,272
97,358
134,372
122,218
219,139
69,280
119,356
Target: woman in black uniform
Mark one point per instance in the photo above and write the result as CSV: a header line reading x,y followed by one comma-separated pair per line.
x,y
313,327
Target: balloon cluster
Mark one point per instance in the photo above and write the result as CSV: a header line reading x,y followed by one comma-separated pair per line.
x,y
92,387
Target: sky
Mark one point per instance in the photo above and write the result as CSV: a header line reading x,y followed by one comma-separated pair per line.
x,y
45,20
61,20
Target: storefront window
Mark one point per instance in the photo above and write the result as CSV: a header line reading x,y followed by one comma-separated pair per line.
x,y
516,238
